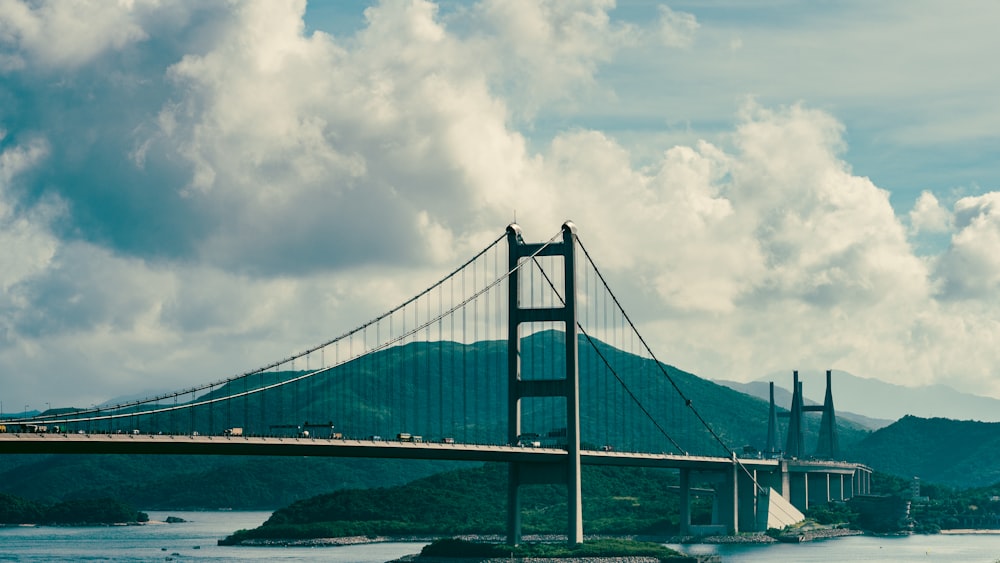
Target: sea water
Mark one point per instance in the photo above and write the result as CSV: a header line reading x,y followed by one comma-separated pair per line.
x,y
196,540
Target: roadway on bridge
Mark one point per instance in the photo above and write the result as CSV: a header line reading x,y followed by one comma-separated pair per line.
x,y
164,444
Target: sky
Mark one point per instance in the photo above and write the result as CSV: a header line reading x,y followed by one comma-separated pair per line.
x,y
192,190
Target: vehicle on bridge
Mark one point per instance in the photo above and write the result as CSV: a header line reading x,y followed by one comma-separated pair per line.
x,y
528,440
27,428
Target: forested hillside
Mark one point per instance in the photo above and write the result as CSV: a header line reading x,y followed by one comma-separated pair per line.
x,y
16,510
959,453
617,500
203,482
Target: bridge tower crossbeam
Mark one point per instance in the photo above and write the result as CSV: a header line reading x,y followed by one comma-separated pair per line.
x,y
568,387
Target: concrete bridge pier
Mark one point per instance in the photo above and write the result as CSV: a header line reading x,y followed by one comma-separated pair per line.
x,y
777,479
818,488
746,513
735,508
837,488
685,494
798,490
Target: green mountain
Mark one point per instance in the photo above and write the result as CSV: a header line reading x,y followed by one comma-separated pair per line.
x,y
959,453
447,389
201,482
434,389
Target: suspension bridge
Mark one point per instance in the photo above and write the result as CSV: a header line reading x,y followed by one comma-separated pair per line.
x,y
521,355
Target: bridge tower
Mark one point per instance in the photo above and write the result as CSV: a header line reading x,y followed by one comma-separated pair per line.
x,y
795,444
568,387
828,446
772,427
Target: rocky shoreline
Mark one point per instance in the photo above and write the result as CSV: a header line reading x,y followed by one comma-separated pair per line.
x,y
760,537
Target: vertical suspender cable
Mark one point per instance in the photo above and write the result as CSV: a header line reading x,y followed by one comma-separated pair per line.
x,y
465,367
407,360
499,391
440,363
246,405
475,353
610,408
453,378
425,421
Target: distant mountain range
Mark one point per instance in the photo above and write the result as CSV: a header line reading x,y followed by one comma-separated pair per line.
x,y
873,403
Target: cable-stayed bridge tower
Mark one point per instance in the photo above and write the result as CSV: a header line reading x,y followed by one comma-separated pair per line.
x,y
828,445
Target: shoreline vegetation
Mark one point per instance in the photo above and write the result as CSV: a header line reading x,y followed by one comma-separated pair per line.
x,y
621,503
16,511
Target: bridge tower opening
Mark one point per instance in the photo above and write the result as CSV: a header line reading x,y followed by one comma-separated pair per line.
x,y
567,387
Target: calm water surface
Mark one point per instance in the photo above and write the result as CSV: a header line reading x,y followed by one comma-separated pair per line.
x,y
907,549
195,540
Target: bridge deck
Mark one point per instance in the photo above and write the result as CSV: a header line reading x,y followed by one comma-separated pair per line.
x,y
162,444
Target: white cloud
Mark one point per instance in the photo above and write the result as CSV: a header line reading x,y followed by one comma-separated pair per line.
x,y
25,242
677,29
332,178
282,129
751,260
68,33
928,215
970,268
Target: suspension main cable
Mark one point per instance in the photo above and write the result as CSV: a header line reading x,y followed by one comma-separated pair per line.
x,y
730,452
278,363
608,365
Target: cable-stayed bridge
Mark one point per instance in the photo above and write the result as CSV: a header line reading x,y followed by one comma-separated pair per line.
x,y
521,355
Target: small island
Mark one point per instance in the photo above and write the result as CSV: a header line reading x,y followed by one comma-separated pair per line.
x,y
81,512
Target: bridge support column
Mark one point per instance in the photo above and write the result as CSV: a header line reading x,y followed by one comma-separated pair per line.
x,y
514,504
567,387
776,479
685,491
798,491
725,510
736,500
747,500
786,482
818,487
